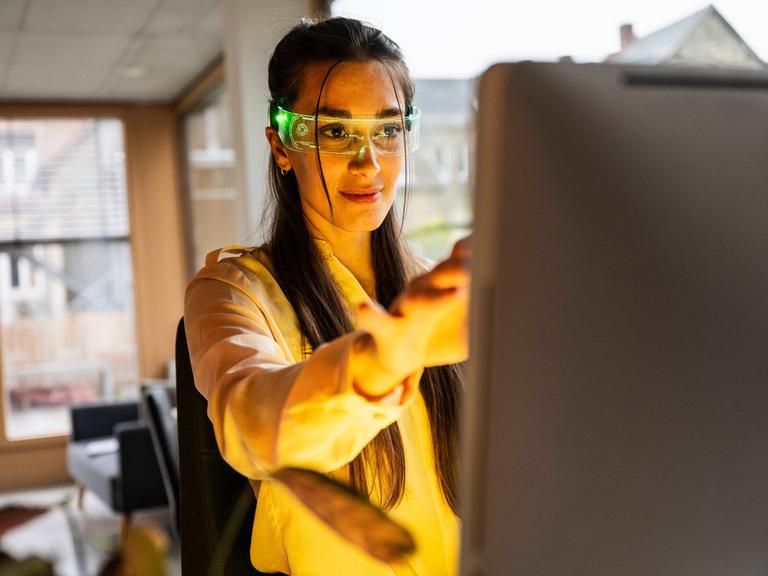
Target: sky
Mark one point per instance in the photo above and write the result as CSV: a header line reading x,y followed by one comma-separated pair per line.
x,y
447,39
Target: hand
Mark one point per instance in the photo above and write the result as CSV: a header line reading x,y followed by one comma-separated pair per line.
x,y
449,343
425,326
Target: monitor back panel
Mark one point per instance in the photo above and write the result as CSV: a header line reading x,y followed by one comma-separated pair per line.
x,y
617,409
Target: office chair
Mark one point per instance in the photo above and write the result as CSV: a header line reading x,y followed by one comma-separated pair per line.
x,y
110,454
217,503
158,414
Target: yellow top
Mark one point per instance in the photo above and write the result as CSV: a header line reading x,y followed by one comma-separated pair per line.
x,y
271,409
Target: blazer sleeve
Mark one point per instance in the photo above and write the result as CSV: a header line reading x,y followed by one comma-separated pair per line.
x,y
267,411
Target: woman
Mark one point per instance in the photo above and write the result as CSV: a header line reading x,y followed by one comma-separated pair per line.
x,y
300,365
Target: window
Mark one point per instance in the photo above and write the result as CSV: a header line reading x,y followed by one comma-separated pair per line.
x,y
440,206
67,330
213,199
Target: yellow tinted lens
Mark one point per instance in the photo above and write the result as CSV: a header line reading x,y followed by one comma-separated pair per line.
x,y
388,137
337,137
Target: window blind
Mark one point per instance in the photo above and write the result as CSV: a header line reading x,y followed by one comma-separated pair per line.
x,y
62,179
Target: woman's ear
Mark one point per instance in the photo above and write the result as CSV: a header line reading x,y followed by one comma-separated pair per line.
x,y
279,151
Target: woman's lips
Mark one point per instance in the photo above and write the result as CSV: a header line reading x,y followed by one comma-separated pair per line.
x,y
362,195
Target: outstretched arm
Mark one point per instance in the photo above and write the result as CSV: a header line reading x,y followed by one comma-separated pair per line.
x,y
267,410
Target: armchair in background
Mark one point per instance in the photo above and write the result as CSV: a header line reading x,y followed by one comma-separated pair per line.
x,y
110,453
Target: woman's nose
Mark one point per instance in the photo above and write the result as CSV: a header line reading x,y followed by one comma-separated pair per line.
x,y
365,161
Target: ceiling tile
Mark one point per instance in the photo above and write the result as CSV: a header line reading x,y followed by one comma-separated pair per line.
x,y
209,23
175,51
171,17
78,49
10,14
90,16
7,40
192,4
170,64
199,17
155,87
47,64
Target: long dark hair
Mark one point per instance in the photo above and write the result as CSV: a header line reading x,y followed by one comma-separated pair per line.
x,y
306,282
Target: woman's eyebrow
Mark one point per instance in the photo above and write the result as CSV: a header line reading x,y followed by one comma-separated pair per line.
x,y
339,113
388,112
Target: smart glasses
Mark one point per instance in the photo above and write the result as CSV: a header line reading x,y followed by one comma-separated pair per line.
x,y
388,135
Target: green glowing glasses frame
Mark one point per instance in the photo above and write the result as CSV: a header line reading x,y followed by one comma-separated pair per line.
x,y
390,135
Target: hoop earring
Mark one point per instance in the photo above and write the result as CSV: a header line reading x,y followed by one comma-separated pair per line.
x,y
283,171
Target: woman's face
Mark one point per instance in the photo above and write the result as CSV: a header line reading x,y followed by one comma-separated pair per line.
x,y
361,186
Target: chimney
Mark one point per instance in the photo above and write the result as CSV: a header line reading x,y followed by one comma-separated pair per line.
x,y
627,35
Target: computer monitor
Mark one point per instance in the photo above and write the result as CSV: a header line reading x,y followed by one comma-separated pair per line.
x,y
617,405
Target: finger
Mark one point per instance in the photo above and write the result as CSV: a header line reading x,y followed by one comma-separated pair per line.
x,y
451,272
419,289
373,318
427,303
370,313
370,307
462,248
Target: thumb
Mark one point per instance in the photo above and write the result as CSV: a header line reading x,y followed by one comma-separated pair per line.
x,y
372,317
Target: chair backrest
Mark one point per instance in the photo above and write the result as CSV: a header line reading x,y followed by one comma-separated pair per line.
x,y
158,413
98,420
210,489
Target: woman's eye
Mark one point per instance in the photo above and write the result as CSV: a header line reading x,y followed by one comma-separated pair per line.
x,y
334,131
390,131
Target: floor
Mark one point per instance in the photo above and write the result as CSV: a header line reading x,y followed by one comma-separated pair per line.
x,y
71,537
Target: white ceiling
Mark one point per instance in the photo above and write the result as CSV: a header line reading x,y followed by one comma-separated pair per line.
x,y
105,50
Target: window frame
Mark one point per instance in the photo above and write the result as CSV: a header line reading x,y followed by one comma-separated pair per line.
x,y
157,254
46,112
